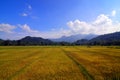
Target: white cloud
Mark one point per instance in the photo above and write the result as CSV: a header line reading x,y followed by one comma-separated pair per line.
x,y
78,26
27,28
27,11
102,20
29,7
24,14
7,28
102,25
55,34
113,13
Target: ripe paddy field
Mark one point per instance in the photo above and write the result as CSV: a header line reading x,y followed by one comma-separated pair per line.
x,y
59,63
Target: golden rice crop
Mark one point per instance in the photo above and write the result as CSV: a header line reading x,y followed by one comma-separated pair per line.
x,y
59,63
37,63
101,62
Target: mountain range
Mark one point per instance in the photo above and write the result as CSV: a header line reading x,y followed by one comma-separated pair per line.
x,y
106,39
74,38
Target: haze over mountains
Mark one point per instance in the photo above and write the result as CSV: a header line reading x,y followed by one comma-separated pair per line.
x,y
107,39
74,38
58,20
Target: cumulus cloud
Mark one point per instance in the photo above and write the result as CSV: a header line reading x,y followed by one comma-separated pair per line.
x,y
102,20
7,28
113,13
102,25
27,28
78,26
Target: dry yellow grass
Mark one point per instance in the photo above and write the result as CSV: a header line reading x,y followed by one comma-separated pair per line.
x,y
59,63
37,63
101,62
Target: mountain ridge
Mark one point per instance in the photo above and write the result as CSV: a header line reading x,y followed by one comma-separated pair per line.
x,y
111,38
106,39
74,38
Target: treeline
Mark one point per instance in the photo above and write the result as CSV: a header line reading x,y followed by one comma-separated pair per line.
x,y
21,43
103,40
29,41
48,42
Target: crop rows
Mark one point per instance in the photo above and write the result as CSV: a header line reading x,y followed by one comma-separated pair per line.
x,y
59,63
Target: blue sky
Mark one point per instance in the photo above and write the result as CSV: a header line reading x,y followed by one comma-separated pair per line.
x,y
56,18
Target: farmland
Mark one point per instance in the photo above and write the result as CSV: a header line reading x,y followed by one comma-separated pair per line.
x,y
59,63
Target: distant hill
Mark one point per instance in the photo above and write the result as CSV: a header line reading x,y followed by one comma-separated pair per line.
x,y
27,41
74,38
107,39
34,41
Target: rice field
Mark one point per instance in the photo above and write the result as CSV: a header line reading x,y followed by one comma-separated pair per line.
x,y
59,63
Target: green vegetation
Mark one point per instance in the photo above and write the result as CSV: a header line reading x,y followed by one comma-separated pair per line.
x,y
59,63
